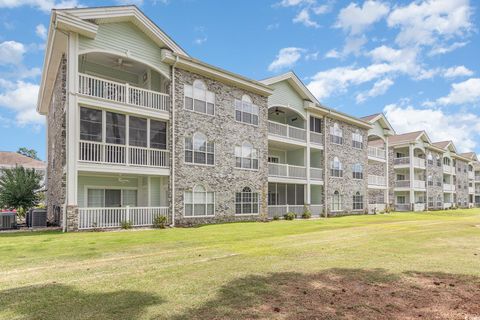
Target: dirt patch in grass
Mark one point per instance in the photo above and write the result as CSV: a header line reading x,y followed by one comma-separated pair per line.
x,y
346,294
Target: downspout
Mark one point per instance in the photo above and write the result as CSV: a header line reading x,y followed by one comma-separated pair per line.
x,y
172,171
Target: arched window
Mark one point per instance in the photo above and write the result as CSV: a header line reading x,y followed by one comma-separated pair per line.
x,y
198,98
429,158
199,150
246,202
336,169
357,171
357,201
430,180
246,156
246,111
357,139
439,163
336,201
199,202
336,134
446,161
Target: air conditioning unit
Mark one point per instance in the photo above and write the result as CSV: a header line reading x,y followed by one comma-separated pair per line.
x,y
8,220
37,218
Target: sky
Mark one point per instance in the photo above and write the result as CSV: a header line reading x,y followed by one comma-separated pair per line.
x,y
416,61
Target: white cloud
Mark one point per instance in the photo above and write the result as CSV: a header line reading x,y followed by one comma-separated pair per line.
x,y
11,52
286,58
44,5
379,88
332,54
293,3
458,71
461,127
353,45
41,31
303,17
200,40
313,56
201,37
355,19
322,9
273,26
428,22
466,92
125,2
446,49
21,97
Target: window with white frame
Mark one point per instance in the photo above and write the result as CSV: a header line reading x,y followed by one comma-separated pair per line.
x,y
246,156
430,180
357,139
439,162
246,202
199,202
198,150
111,198
357,201
336,169
199,99
336,201
115,128
401,200
158,134
137,132
357,171
246,111
90,124
430,158
336,134
315,124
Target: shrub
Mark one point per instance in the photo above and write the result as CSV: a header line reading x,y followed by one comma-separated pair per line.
x,y
290,216
126,224
159,222
276,218
306,214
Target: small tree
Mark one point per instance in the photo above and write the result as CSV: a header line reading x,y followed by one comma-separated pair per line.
x,y
31,153
19,188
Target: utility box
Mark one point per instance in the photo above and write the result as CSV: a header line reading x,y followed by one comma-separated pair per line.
x,y
37,218
8,220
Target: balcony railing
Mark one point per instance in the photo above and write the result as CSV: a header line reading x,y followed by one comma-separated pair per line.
x,y
448,169
286,131
376,152
316,138
374,180
402,183
471,175
122,93
402,160
448,187
316,174
286,171
418,162
280,210
98,152
93,218
419,184
403,207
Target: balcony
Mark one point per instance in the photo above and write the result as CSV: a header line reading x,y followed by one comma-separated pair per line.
x,y
376,181
401,161
448,187
287,131
377,153
286,171
419,162
122,93
94,218
402,184
403,207
106,153
471,175
316,174
316,138
448,169
419,184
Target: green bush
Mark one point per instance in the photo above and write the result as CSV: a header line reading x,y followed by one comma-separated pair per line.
x,y
276,218
306,214
159,222
290,216
126,224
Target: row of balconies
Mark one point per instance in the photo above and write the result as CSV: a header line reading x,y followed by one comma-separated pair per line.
x,y
294,133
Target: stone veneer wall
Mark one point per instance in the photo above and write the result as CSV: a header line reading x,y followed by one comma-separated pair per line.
x,y
462,183
56,177
222,178
437,175
348,155
391,177
376,168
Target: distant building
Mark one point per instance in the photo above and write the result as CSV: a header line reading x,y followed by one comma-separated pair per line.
x,y
10,159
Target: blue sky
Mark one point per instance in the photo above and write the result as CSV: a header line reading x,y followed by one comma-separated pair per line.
x,y
417,61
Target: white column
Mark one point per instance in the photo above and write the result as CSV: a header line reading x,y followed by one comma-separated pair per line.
x,y
412,174
387,176
308,193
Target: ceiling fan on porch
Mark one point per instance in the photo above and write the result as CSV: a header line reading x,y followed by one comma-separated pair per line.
x,y
277,111
121,63
122,180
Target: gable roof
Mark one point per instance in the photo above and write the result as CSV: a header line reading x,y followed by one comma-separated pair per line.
x,y
470,155
382,120
446,145
10,159
408,137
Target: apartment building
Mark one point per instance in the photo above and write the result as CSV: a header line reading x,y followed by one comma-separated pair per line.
x,y
138,129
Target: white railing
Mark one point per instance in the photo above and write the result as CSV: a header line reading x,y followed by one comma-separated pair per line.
x,y
280,210
447,169
123,93
316,138
93,218
419,162
98,152
402,183
447,205
403,207
419,184
419,207
471,175
376,152
471,190
316,174
377,180
403,160
286,131
286,170
448,187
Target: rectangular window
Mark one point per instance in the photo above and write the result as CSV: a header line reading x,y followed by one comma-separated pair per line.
x,y
246,112
246,202
90,124
115,128
198,99
336,173
202,152
315,125
111,198
273,159
357,202
158,134
401,200
357,175
199,203
246,157
137,132
336,139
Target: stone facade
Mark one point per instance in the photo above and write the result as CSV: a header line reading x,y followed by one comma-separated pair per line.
x,y
462,183
391,177
222,129
56,148
435,173
348,156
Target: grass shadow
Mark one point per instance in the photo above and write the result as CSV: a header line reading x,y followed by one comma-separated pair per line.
x,y
345,294
56,302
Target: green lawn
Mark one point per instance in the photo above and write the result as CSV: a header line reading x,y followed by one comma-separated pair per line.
x,y
396,266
